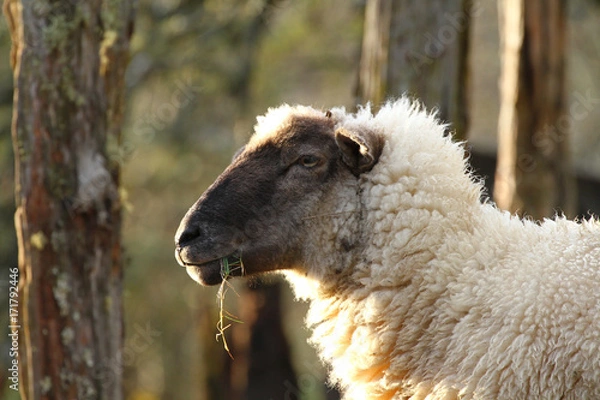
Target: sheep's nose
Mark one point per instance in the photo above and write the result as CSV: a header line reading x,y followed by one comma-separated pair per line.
x,y
186,234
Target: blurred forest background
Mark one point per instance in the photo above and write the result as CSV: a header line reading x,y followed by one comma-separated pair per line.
x,y
200,72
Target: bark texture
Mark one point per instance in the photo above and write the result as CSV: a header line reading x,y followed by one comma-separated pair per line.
x,y
533,175
69,60
418,48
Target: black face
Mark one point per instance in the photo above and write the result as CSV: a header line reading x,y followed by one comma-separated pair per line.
x,y
254,211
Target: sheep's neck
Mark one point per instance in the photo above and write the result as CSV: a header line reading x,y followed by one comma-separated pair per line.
x,y
379,313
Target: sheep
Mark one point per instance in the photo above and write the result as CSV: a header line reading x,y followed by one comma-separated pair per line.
x,y
418,288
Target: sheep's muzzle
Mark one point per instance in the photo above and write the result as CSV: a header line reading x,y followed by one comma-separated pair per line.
x,y
210,272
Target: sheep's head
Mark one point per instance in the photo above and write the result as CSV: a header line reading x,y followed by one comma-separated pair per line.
x,y
297,166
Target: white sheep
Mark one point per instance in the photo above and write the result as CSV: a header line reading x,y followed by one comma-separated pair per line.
x,y
417,289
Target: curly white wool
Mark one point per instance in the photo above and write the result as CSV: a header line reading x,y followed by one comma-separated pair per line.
x,y
448,297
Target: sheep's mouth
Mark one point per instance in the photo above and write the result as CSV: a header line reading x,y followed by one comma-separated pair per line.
x,y
214,271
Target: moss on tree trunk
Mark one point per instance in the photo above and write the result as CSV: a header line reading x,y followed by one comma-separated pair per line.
x,y
69,60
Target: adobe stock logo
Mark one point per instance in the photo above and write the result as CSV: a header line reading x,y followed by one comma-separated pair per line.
x,y
546,139
307,382
13,327
138,342
436,44
579,109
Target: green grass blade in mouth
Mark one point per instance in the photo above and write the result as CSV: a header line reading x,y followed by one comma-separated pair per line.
x,y
227,268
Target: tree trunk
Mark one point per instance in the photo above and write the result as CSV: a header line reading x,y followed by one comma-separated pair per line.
x,y
260,365
69,61
418,48
262,368
533,175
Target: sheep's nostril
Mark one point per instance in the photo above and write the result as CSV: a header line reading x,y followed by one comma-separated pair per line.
x,y
189,234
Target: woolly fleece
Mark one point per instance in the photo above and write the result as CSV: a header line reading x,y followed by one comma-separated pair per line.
x,y
444,296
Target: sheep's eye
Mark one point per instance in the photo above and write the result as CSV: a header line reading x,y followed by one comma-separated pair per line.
x,y
309,161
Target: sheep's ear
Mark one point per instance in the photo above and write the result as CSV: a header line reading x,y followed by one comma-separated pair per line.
x,y
360,150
